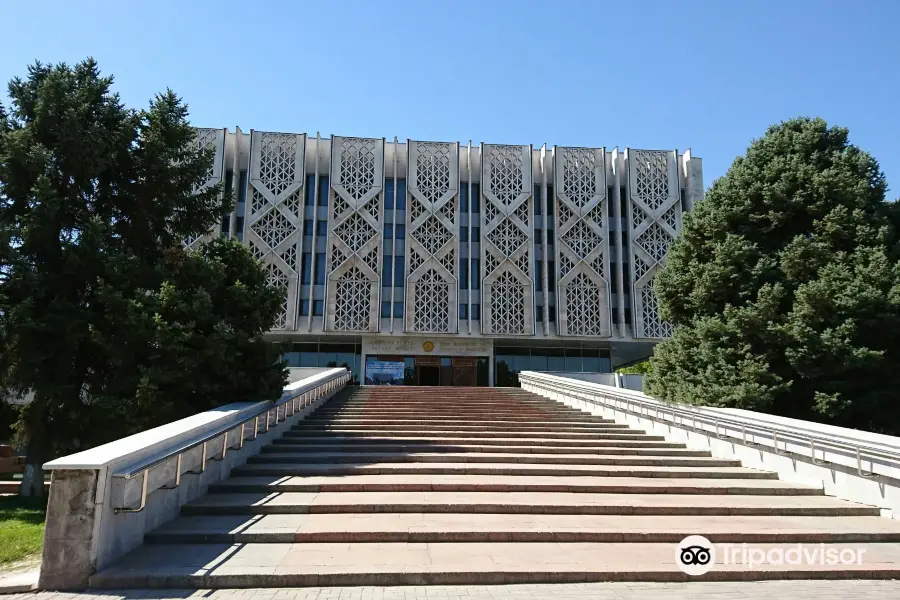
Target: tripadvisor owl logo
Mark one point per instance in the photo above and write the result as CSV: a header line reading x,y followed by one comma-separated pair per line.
x,y
695,555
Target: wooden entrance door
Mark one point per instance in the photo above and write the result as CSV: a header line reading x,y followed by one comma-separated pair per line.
x,y
464,371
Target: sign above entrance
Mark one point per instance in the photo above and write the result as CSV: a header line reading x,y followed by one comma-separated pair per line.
x,y
412,345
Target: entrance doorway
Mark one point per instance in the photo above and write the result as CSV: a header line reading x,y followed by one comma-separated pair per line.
x,y
429,375
464,371
428,370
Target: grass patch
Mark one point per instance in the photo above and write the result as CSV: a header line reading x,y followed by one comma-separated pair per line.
x,y
21,528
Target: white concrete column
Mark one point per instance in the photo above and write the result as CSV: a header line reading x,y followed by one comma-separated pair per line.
x,y
620,251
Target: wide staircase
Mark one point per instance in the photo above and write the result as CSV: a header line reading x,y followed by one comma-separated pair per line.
x,y
405,485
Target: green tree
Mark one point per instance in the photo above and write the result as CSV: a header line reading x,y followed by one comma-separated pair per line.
x,y
196,341
642,367
95,199
782,289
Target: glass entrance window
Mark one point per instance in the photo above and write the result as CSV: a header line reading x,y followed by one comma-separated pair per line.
x,y
326,355
509,362
424,370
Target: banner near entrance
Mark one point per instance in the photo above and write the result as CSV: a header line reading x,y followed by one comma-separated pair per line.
x,y
382,372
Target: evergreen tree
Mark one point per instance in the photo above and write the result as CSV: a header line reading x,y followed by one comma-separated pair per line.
x,y
95,199
782,287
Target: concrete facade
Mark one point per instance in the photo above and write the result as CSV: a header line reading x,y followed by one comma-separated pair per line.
x,y
430,242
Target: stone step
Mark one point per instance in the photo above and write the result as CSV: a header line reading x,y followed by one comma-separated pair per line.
x,y
513,483
452,426
456,408
501,469
222,565
450,433
516,503
445,401
512,408
459,412
476,419
451,403
446,485
420,422
498,442
486,414
520,528
488,457
300,445
428,408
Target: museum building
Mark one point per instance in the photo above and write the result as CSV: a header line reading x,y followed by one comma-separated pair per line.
x,y
440,263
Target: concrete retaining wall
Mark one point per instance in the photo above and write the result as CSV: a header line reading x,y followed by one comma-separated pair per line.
x,y
84,530
836,472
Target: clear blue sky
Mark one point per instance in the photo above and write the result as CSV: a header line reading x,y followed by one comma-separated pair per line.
x,y
703,74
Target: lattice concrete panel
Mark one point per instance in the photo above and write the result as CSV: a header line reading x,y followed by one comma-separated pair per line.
x,y
209,138
655,220
507,245
432,247
274,225
582,242
354,234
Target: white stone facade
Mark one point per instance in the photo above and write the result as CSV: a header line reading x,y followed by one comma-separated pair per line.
x,y
375,237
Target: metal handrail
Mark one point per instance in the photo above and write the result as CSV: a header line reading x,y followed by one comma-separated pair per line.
x,y
297,400
658,411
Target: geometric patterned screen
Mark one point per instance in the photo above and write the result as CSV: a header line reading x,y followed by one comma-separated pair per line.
x,y
355,232
655,221
209,138
433,237
507,240
582,242
275,208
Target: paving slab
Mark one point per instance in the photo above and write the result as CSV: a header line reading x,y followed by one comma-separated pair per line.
x,y
629,442
510,527
349,456
453,432
14,583
689,590
524,502
513,483
267,468
245,565
295,445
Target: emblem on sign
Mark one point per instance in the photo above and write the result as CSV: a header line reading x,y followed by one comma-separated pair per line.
x,y
428,346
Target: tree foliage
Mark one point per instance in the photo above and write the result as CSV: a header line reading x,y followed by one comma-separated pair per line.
x,y
783,287
641,367
100,307
196,341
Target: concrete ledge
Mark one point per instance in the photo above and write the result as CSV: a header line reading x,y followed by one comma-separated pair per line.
x,y
86,530
798,451
19,583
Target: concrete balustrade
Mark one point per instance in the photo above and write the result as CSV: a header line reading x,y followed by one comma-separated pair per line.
x,y
103,500
846,463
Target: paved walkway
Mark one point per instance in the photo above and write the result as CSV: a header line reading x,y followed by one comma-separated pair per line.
x,y
768,590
